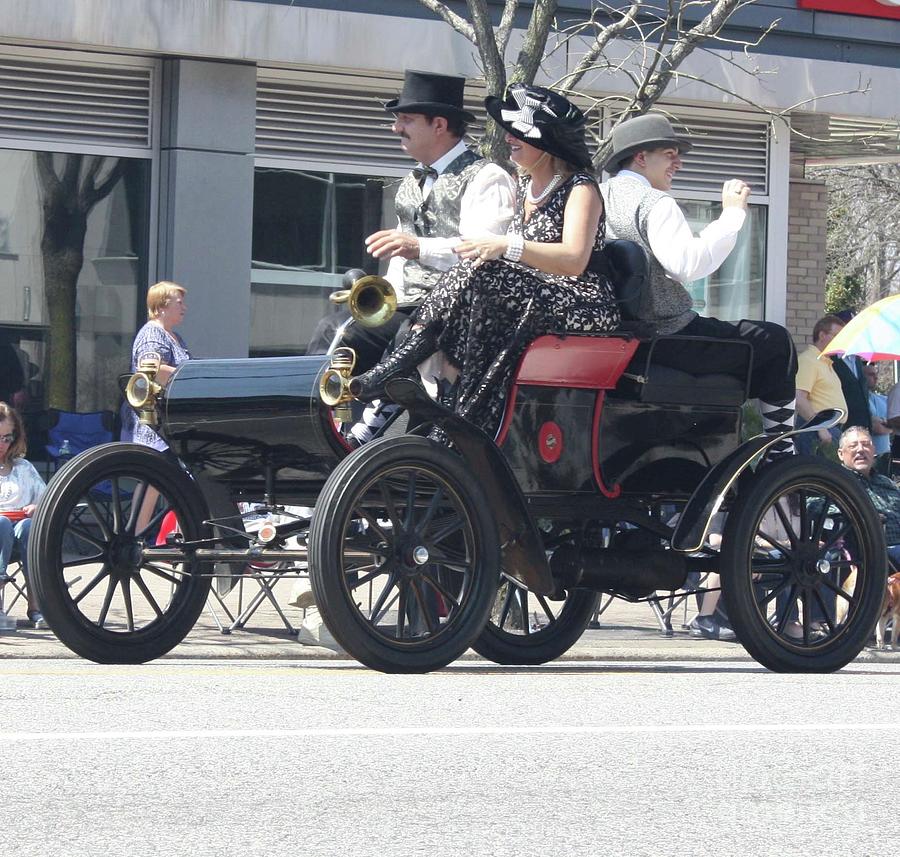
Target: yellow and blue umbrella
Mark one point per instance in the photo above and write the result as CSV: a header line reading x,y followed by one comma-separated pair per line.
x,y
873,334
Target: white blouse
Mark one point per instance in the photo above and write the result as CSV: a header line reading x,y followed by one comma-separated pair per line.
x,y
21,487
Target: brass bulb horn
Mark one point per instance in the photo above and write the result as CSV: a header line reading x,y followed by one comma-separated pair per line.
x,y
370,299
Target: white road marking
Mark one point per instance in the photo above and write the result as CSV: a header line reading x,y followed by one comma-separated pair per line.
x,y
438,731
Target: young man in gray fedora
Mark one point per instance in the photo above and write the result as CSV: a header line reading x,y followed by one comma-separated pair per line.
x,y
646,155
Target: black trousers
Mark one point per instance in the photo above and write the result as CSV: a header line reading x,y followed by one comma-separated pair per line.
x,y
773,377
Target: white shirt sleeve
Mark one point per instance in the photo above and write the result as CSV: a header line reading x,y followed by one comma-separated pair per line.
x,y
485,209
685,256
394,273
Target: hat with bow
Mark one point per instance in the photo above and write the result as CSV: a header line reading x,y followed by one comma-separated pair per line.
x,y
431,94
544,119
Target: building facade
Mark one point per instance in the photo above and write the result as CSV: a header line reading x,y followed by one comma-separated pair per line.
x,y
240,148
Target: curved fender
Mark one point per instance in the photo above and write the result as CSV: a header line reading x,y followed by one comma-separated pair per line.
x,y
524,557
693,525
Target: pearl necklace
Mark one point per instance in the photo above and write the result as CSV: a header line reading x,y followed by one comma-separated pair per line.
x,y
551,186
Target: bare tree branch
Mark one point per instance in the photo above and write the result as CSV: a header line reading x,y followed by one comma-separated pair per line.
x,y
603,38
507,19
491,58
95,193
461,25
46,174
532,52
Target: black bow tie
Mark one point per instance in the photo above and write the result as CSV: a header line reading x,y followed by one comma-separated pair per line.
x,y
422,173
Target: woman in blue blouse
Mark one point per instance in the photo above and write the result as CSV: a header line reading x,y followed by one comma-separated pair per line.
x,y
165,310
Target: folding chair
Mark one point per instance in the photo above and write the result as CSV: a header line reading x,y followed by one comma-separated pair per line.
x,y
13,579
81,430
167,526
272,573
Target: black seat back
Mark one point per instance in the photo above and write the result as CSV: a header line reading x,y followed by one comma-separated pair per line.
x,y
625,264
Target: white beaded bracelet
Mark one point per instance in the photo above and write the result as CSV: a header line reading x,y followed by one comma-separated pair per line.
x,y
515,244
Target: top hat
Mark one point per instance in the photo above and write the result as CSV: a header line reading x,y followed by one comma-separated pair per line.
x,y
431,94
650,131
544,119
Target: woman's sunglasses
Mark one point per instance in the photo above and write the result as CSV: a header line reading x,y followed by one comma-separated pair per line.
x,y
7,438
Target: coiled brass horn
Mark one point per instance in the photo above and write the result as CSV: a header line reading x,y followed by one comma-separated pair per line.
x,y
370,299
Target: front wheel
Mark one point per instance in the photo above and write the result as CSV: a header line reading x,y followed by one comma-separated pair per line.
x,y
403,555
90,553
804,566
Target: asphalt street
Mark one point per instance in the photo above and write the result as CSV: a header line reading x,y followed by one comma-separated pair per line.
x,y
192,757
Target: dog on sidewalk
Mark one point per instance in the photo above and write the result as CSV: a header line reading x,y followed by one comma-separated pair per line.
x,y
890,609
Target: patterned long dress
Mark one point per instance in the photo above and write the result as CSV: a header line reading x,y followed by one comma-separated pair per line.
x,y
173,352
487,315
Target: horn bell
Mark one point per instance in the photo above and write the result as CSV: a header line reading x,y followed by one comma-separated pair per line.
x,y
371,300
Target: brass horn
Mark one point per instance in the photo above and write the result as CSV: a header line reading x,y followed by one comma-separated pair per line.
x,y
371,300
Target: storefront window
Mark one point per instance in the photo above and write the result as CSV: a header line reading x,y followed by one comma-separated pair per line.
x,y
73,263
737,289
308,230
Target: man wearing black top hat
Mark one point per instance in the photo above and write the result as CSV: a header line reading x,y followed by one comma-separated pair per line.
x,y
450,195
646,154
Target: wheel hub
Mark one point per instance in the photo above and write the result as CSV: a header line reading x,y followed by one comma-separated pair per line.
x,y
126,554
411,555
809,565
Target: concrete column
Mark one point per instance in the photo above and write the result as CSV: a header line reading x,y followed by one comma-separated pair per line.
x,y
206,199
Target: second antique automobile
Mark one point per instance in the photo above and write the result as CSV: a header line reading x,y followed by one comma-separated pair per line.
x,y
610,474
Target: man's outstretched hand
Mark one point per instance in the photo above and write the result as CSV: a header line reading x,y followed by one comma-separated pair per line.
x,y
392,242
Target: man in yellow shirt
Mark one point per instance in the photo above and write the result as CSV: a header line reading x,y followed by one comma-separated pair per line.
x,y
818,387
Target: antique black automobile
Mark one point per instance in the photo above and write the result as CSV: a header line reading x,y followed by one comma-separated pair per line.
x,y
612,473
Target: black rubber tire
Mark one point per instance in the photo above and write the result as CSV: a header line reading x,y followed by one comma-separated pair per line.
x,y
94,487
460,569
566,621
811,546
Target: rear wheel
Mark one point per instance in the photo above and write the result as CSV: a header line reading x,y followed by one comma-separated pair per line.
x,y
403,555
90,554
526,628
805,562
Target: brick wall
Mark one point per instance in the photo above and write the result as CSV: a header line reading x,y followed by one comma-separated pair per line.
x,y
806,257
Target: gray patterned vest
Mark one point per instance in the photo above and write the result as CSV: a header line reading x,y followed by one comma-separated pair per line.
x,y
665,303
435,217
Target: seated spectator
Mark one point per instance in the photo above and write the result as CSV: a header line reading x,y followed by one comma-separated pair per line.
x,y
818,388
857,453
881,431
20,489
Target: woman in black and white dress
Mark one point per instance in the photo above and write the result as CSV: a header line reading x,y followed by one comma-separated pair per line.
x,y
535,280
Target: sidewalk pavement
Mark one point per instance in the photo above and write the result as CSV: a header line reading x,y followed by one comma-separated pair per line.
x,y
626,632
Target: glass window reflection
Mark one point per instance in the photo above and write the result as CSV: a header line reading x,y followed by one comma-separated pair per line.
x,y
308,230
737,289
73,268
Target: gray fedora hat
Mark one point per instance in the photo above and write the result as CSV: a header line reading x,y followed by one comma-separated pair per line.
x,y
650,131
